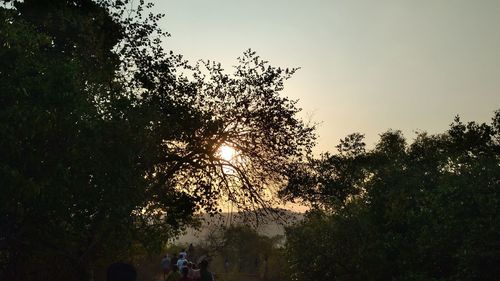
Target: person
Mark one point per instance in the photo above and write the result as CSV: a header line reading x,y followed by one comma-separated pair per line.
x,y
194,273
180,262
173,260
190,252
205,275
226,264
165,265
183,253
185,274
121,272
174,274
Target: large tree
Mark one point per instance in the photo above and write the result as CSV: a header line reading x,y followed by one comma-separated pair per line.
x,y
107,141
429,210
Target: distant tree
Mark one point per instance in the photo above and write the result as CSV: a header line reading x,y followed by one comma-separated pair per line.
x,y
106,145
239,251
429,210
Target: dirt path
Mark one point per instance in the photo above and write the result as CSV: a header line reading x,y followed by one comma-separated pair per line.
x,y
225,277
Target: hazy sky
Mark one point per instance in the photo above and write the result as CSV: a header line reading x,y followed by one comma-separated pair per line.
x,y
367,66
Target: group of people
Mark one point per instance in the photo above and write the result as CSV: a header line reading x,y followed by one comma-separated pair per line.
x,y
179,268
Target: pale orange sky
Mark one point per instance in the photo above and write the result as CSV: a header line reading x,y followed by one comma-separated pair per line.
x,y
367,66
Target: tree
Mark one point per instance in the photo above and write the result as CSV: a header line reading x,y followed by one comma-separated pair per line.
x,y
245,112
106,145
239,251
428,210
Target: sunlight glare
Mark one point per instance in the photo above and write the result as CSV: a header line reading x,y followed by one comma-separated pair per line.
x,y
226,152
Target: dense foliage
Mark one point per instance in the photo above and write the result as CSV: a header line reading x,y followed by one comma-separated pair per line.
x,y
429,210
108,142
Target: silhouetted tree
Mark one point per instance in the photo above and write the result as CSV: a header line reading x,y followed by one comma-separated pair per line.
x,y
105,144
428,210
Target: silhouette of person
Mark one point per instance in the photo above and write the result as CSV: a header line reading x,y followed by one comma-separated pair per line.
x,y
165,265
226,264
173,260
190,251
194,272
205,275
184,274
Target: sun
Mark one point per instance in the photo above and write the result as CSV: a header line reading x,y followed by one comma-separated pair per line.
x,y
226,152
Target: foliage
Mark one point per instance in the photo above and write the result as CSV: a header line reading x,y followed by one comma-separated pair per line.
x,y
428,210
239,252
106,146
246,113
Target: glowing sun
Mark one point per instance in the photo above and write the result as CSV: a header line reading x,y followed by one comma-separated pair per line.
x,y
226,152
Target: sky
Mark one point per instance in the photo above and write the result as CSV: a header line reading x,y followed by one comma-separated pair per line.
x,y
366,66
